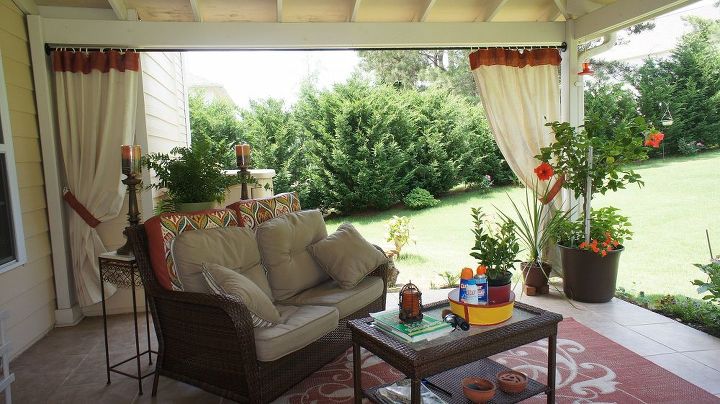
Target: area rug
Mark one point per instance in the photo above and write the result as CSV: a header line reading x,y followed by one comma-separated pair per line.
x,y
590,369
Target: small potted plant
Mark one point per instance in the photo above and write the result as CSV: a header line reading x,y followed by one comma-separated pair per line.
x,y
534,223
496,247
193,177
588,165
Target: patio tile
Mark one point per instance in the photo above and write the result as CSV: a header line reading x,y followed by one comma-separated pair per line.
x,y
625,313
628,338
173,391
120,392
690,370
678,336
708,358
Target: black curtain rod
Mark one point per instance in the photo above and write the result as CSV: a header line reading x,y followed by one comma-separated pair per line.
x,y
49,48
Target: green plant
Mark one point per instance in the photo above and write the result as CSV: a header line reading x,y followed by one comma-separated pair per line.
x,y
496,244
420,198
191,174
534,222
449,279
712,284
398,229
609,230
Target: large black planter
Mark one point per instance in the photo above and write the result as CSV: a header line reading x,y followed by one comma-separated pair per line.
x,y
589,277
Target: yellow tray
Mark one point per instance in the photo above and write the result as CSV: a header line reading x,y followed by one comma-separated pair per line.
x,y
481,314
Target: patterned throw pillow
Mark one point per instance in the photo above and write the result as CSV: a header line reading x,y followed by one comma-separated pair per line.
x,y
224,281
162,230
252,212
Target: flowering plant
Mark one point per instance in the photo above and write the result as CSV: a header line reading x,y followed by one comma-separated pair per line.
x,y
608,232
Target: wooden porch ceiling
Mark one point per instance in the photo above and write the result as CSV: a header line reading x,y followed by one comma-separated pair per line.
x,y
341,10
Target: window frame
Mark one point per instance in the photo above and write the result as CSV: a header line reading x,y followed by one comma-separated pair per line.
x,y
6,148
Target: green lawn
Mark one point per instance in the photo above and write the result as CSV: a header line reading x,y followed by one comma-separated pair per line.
x,y
681,198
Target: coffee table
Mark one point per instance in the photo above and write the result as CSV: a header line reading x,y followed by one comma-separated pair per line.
x,y
446,360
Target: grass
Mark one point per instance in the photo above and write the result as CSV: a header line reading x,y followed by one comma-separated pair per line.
x,y
680,199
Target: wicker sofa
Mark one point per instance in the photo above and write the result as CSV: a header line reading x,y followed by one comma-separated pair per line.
x,y
209,341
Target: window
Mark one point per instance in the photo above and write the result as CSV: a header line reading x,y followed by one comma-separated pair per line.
x,y
12,242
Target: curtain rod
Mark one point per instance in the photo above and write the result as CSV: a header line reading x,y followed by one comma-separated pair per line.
x,y
49,48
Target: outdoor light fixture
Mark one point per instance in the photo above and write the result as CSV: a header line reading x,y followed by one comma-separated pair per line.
x,y
586,70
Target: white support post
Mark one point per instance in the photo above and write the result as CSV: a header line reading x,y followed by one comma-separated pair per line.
x,y
6,378
571,99
68,311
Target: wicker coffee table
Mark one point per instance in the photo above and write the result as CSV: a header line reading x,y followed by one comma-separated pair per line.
x,y
445,361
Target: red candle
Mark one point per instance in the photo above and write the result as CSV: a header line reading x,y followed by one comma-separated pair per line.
x,y
130,155
242,153
411,302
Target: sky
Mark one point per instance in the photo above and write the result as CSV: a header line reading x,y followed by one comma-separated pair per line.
x,y
251,75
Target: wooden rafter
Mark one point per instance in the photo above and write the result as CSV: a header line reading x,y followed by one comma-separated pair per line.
x,y
561,9
426,10
279,8
493,8
119,8
27,6
197,16
355,9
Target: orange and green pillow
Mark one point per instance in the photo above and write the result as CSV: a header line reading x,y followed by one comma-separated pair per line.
x,y
253,212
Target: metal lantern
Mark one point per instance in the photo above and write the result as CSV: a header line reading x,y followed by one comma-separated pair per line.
x,y
410,303
667,118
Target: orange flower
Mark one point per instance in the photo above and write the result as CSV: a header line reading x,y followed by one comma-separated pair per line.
x,y
583,245
654,139
544,171
603,253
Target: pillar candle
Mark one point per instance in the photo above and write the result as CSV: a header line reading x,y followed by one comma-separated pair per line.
x,y
242,153
127,156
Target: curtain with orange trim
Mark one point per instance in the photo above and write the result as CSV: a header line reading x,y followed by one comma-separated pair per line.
x,y
96,96
520,92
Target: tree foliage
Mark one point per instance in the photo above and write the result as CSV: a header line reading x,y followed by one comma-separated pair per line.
x,y
217,120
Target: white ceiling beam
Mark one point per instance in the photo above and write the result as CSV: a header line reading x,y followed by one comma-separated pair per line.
x,y
622,14
197,16
493,8
119,8
279,8
426,10
561,6
243,35
28,7
355,9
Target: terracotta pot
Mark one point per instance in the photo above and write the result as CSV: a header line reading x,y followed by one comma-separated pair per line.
x,y
512,381
536,275
499,294
589,277
478,390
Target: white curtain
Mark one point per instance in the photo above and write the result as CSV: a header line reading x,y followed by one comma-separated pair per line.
x,y
96,95
521,93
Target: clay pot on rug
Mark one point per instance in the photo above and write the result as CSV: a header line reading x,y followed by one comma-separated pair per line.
x,y
589,277
478,390
536,277
499,289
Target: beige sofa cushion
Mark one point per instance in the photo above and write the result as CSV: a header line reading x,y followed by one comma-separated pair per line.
x,y
298,328
283,243
347,301
223,281
231,247
346,256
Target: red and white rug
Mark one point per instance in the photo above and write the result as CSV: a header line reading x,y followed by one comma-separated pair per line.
x,y
590,369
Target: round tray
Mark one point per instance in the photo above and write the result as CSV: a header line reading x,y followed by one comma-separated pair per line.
x,y
481,314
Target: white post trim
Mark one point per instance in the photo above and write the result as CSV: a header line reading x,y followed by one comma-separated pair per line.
x,y
27,6
67,307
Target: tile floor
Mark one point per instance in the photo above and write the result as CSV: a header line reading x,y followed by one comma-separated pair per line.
x,y
68,365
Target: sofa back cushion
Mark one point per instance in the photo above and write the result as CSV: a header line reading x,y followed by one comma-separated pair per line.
x,y
253,212
162,230
283,243
231,247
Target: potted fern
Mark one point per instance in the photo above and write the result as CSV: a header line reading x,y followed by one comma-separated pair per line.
x,y
193,177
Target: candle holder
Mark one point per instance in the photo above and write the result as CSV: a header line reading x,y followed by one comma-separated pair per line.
x,y
410,304
242,154
131,167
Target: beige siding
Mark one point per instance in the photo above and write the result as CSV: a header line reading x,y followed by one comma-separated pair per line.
x,y
26,292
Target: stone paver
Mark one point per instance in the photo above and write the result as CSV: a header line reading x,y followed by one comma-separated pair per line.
x,y
678,336
690,370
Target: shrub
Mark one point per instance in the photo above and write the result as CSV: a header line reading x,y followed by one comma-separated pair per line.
x,y
398,232
420,198
449,279
688,147
711,286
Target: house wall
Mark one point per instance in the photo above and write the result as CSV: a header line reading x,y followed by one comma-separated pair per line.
x,y
26,292
162,123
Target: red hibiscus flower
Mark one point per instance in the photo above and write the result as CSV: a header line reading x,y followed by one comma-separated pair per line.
x,y
654,139
544,171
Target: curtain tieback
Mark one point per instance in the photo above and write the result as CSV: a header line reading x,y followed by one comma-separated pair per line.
x,y
80,209
554,190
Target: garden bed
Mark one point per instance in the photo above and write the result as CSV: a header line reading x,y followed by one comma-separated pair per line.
x,y
696,313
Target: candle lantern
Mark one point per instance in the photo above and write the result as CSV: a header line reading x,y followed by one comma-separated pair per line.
x,y
410,304
242,155
131,167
